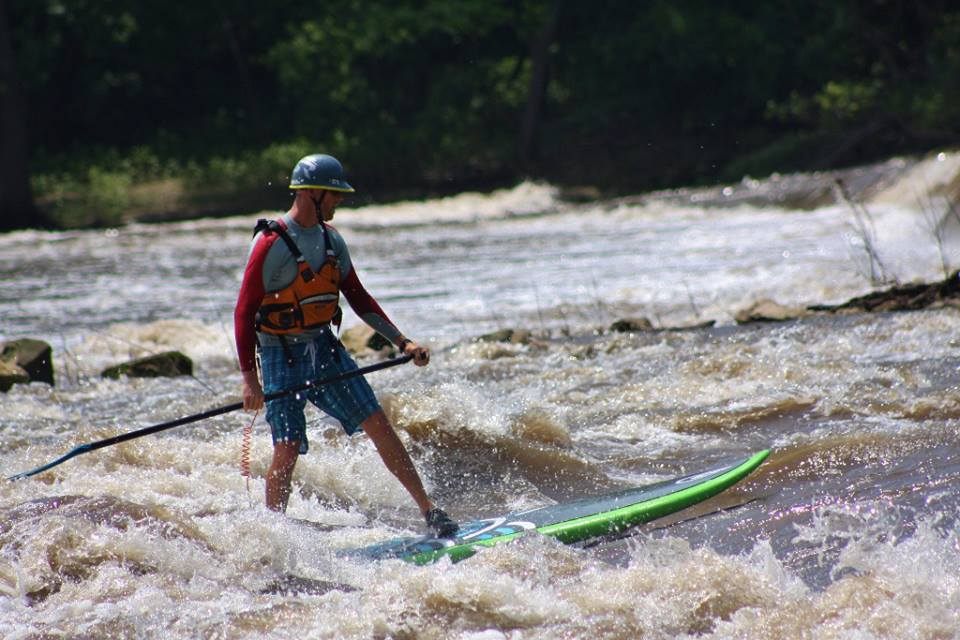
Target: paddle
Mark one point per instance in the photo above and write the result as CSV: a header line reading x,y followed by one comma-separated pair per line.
x,y
92,446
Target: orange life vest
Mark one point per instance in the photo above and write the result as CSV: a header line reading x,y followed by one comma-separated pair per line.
x,y
311,301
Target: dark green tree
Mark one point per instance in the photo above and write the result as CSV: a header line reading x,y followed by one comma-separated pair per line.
x,y
417,95
16,204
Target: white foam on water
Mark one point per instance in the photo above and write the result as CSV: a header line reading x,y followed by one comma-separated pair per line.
x,y
169,542
933,176
451,407
883,584
524,199
206,345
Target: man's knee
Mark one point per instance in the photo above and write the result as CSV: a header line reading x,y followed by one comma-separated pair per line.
x,y
376,423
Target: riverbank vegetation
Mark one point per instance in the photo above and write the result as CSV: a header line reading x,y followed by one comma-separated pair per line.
x,y
132,110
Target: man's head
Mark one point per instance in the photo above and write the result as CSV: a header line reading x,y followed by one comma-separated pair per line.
x,y
320,178
324,201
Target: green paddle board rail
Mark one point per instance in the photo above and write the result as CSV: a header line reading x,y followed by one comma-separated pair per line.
x,y
577,521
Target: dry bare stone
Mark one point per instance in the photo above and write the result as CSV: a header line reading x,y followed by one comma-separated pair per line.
x,y
355,338
361,338
11,374
169,364
768,311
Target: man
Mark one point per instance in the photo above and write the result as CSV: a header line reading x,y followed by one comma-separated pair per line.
x,y
297,267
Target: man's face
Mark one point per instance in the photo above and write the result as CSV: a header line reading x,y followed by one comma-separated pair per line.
x,y
327,202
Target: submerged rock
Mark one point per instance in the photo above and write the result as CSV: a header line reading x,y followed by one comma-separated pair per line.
x,y
513,336
291,585
162,365
108,511
630,325
68,538
25,357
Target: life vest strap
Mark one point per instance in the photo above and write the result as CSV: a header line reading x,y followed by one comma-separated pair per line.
x,y
287,353
279,317
274,226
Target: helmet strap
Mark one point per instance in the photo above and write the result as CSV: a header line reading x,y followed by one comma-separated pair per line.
x,y
317,202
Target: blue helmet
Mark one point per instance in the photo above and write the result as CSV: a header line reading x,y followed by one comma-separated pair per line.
x,y
319,171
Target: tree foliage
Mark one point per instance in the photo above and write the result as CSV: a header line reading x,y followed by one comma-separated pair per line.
x,y
420,92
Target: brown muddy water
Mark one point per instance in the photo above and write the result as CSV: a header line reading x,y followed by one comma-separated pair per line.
x,y
849,530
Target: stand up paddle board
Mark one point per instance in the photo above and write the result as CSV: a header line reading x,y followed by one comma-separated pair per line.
x,y
572,522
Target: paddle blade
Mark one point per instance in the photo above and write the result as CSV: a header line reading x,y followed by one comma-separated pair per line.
x,y
50,465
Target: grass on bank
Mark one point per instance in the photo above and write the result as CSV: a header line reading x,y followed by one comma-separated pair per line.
x,y
104,188
109,188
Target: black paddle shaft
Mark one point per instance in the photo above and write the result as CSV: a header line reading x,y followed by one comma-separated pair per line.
x,y
179,422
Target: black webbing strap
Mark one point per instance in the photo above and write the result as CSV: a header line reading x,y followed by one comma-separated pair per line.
x,y
272,225
327,245
287,352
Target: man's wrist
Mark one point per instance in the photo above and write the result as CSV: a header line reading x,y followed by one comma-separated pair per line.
x,y
402,345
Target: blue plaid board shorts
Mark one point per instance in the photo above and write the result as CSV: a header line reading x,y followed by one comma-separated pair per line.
x,y
350,401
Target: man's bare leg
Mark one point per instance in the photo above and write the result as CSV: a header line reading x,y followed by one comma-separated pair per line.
x,y
280,474
396,458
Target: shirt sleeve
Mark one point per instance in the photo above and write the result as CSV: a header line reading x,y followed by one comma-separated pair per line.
x,y
248,301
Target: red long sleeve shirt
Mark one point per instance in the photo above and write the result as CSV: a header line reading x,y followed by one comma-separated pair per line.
x,y
271,267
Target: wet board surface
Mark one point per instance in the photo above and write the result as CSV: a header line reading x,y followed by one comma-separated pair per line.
x,y
572,521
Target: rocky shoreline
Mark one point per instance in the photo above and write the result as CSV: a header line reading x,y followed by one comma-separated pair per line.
x,y
908,297
29,360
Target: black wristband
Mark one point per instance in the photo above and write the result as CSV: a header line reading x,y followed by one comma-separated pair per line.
x,y
403,344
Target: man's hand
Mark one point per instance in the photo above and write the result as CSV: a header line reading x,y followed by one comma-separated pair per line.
x,y
421,355
252,391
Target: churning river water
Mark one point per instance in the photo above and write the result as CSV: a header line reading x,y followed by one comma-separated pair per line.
x,y
848,530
